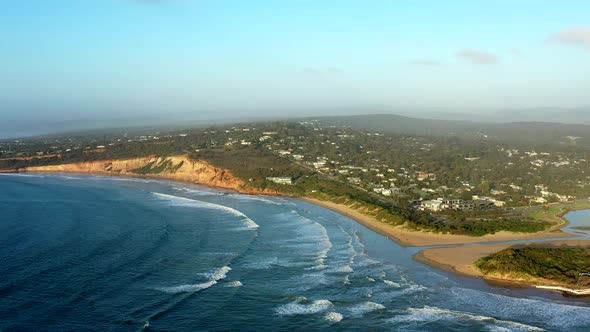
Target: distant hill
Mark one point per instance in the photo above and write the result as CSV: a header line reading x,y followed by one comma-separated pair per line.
x,y
546,114
561,115
529,133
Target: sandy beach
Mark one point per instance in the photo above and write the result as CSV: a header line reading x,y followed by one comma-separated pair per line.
x,y
407,237
460,259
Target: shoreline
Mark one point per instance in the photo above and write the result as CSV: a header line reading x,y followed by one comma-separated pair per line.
x,y
210,176
456,259
412,238
461,260
397,233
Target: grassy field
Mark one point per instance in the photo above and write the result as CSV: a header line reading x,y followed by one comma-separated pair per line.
x,y
554,213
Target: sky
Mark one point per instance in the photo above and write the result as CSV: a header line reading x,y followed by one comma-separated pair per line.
x,y
127,58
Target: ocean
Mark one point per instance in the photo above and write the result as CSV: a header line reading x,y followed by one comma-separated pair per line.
x,y
90,253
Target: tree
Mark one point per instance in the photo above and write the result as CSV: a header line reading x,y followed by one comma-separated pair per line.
x,y
466,195
484,188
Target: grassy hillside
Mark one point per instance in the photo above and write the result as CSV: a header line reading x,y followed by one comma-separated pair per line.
x,y
556,265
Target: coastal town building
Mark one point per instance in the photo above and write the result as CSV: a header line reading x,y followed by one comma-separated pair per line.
x,y
280,179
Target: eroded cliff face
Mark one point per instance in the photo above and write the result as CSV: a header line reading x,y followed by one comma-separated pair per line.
x,y
179,168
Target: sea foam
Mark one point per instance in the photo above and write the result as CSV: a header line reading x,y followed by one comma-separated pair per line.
x,y
430,314
365,307
391,283
333,316
297,308
187,202
187,288
236,283
214,277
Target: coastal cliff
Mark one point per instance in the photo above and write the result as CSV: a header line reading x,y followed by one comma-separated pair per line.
x,y
178,168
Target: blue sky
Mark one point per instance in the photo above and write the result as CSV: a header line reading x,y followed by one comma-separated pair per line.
x,y
118,57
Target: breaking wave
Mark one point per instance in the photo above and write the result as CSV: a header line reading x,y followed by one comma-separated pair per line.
x,y
391,283
431,314
214,277
236,283
297,308
365,307
333,317
187,202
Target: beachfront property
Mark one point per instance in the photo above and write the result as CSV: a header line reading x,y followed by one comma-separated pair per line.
x,y
280,179
440,204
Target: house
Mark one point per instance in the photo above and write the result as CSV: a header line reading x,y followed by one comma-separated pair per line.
x,y
420,176
482,204
280,179
297,156
354,180
319,164
433,205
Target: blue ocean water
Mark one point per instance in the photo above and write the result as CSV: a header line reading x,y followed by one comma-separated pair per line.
x,y
114,254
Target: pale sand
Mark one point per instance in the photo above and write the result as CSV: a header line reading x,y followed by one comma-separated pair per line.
x,y
461,259
416,238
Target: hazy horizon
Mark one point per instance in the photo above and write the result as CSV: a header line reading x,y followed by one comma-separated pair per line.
x,y
102,60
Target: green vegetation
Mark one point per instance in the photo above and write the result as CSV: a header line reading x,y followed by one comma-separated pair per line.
x,y
553,213
559,265
253,165
478,227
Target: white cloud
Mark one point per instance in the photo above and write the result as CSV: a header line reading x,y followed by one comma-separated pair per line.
x,y
577,36
426,62
477,57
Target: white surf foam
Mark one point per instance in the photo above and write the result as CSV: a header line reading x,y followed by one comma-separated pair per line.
x,y
365,307
318,267
309,239
333,316
346,280
391,283
560,315
236,283
220,273
67,177
187,202
297,308
344,269
214,277
413,288
187,288
23,175
242,197
198,192
430,314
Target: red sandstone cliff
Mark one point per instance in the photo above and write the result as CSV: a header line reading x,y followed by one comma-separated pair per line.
x,y
179,168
